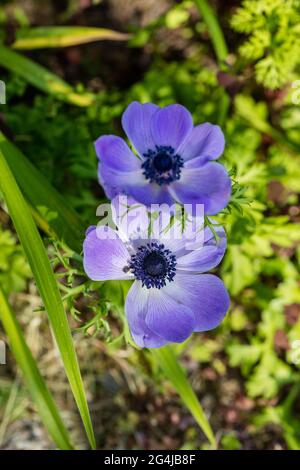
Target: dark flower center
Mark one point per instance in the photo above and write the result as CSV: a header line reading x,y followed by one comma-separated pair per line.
x,y
153,264
162,165
162,162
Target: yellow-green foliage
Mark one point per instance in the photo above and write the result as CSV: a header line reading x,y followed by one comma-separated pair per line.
x,y
272,28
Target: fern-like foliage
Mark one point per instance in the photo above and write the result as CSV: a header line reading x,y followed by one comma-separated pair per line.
x,y
273,28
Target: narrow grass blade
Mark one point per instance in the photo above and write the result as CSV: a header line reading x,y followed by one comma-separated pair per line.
x,y
41,78
214,29
8,413
37,387
47,285
221,50
50,210
168,362
63,36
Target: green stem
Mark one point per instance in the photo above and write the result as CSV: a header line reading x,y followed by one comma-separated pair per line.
x,y
220,48
169,364
72,292
223,108
214,29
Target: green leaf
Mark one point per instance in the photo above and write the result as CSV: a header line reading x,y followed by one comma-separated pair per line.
x,y
50,210
37,387
63,36
41,78
220,47
240,270
254,114
170,366
214,29
47,285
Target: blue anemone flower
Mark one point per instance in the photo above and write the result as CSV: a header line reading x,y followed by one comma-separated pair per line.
x,y
174,161
171,296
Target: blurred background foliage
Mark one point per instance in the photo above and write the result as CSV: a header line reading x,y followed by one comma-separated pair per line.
x,y
58,102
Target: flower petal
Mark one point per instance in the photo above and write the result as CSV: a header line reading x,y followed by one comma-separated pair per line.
x,y
111,190
130,217
174,239
206,257
206,140
168,318
171,125
209,184
136,309
133,184
204,294
117,182
120,172
118,166
105,255
136,124
115,153
150,193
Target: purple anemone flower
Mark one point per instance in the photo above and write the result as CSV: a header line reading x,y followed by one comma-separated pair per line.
x,y
174,161
170,297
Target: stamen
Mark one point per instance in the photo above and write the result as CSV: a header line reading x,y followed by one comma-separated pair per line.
x,y
162,165
153,264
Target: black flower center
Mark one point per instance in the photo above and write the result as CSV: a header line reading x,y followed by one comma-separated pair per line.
x,y
153,264
162,162
162,165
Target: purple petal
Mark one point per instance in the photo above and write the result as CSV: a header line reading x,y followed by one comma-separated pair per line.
x,y
204,294
117,182
90,229
183,234
168,318
120,172
136,309
218,229
104,255
136,124
130,217
134,185
150,193
206,257
171,125
118,166
115,153
174,240
206,140
208,184
201,260
110,185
